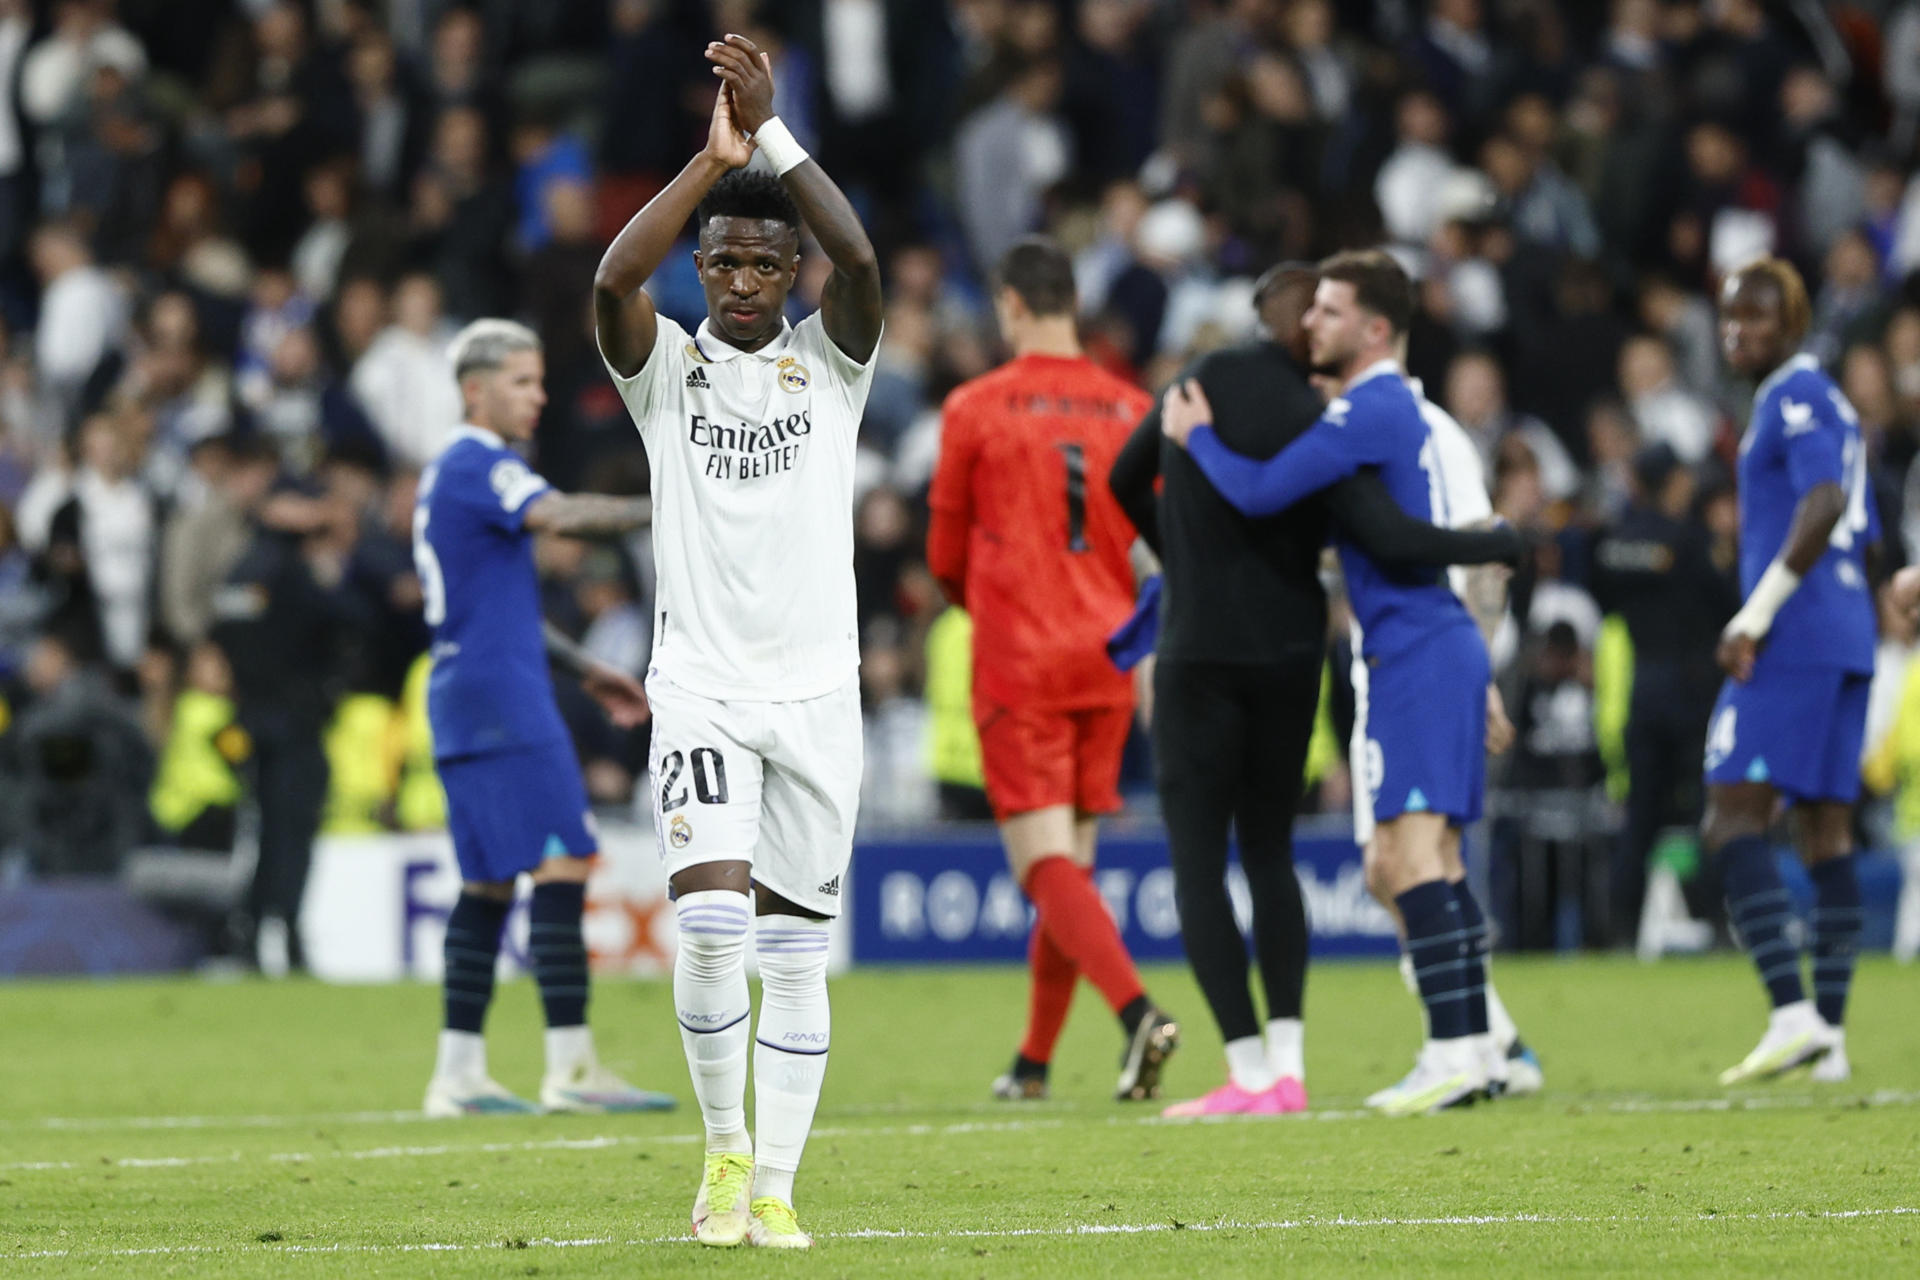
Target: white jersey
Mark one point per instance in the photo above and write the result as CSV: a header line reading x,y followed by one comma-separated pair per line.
x,y
752,455
1458,477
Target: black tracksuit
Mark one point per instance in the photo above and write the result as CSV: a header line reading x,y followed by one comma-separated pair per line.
x,y
1658,573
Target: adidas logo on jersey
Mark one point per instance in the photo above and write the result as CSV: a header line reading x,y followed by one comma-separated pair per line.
x,y
697,380
831,888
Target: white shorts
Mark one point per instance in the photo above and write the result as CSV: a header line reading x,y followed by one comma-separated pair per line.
x,y
1364,763
773,784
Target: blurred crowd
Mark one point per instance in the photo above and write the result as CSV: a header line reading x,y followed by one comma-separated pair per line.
x,y
236,234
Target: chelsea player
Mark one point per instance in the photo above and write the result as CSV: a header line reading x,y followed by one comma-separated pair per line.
x,y
1799,659
515,800
1425,757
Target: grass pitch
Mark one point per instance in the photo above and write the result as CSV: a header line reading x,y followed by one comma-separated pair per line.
x,y
254,1129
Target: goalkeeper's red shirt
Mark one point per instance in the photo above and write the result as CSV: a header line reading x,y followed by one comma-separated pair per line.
x,y
1026,534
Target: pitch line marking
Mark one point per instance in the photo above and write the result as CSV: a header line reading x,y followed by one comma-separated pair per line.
x,y
1882,1098
593,1143
1011,1233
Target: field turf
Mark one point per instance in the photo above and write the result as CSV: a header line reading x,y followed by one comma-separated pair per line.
x,y
256,1129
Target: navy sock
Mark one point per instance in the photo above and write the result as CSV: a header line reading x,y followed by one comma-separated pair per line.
x,y
1479,942
472,948
1758,904
1449,974
1837,921
559,952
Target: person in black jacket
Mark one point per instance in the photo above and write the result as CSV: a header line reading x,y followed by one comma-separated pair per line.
x,y
288,630
1243,624
1655,568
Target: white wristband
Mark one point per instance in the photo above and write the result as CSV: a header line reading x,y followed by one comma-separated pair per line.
x,y
776,142
1756,615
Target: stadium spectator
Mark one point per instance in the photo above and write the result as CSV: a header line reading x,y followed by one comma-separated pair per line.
x,y
1666,412
1558,867
401,380
197,787
16,28
558,278
1655,568
389,113
23,601
644,82
1476,395
83,320
286,627
1415,174
1006,156
462,215
79,765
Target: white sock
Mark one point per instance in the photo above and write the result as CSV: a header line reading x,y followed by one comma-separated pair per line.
x,y
462,1056
1247,1064
1406,973
769,1181
789,1047
1286,1048
569,1050
1499,1021
1461,1053
1493,1056
710,997
1797,1015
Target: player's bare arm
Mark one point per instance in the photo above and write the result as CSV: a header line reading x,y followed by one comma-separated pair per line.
x,y
1904,590
621,696
1819,510
851,307
1500,732
623,314
588,515
1486,598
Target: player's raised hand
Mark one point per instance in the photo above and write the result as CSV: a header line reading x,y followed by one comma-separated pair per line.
x,y
748,74
1736,653
726,141
623,698
1184,408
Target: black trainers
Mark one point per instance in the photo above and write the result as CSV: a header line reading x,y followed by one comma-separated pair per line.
x,y
1153,1041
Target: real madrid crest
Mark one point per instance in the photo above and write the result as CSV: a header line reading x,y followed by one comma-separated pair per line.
x,y
793,374
679,831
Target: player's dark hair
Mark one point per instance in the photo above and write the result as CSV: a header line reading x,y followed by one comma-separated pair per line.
x,y
1796,311
1379,284
1041,273
751,194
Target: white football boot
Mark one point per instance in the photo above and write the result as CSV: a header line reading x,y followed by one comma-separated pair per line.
x,y
1796,1035
479,1096
1448,1073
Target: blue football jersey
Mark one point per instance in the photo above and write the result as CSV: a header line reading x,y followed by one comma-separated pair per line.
x,y
490,689
1376,423
1805,433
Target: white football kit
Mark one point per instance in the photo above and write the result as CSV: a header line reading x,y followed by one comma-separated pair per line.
x,y
1459,500
754,680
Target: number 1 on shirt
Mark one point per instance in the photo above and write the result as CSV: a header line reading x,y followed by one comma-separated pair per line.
x,y
1076,455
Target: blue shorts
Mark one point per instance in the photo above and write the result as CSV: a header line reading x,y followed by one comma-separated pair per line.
x,y
511,810
1426,728
1799,729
